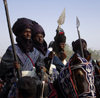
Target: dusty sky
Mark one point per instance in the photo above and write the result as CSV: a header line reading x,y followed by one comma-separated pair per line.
x,y
47,12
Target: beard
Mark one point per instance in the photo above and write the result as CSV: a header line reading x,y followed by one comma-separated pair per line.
x,y
26,45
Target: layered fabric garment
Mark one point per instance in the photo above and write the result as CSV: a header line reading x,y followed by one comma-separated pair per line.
x,y
27,61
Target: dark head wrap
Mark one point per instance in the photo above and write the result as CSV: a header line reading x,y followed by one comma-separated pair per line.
x,y
60,36
37,29
76,45
21,24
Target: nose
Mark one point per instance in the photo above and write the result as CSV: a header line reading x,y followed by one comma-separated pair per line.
x,y
28,35
40,38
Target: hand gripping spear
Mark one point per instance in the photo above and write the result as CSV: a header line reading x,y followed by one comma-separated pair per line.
x,y
11,38
77,26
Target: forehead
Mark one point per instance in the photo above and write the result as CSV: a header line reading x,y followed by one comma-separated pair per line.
x,y
27,30
61,43
39,35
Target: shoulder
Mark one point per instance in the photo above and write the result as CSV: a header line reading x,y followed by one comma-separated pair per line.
x,y
11,49
8,52
37,53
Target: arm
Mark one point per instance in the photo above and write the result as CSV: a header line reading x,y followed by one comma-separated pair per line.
x,y
7,64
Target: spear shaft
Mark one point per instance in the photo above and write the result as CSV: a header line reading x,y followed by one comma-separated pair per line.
x,y
11,36
80,42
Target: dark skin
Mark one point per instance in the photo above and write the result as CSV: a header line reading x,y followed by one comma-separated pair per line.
x,y
62,55
61,46
39,38
26,33
84,45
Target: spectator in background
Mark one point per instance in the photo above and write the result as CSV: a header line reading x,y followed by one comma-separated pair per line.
x,y
58,45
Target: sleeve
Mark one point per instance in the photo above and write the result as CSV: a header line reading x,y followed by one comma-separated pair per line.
x,y
57,62
6,63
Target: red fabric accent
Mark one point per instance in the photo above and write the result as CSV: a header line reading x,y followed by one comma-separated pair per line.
x,y
53,92
61,32
72,81
30,60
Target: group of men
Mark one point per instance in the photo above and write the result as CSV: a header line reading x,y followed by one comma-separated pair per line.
x,y
35,59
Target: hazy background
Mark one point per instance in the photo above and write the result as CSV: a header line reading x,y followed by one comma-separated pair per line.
x,y
47,12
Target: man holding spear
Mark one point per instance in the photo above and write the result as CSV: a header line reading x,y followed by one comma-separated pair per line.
x,y
20,57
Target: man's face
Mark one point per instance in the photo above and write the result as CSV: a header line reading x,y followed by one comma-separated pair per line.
x,y
39,38
62,46
84,46
27,33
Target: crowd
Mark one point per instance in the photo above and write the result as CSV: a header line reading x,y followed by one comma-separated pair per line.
x,y
44,70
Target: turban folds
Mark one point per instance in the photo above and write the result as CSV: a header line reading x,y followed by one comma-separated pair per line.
x,y
60,36
21,24
37,29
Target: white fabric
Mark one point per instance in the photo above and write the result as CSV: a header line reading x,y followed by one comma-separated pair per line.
x,y
64,62
51,68
29,73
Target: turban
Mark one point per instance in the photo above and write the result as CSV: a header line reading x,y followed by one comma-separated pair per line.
x,y
76,44
20,25
37,29
60,36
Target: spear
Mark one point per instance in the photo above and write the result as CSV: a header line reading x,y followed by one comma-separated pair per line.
x,y
77,26
11,37
61,19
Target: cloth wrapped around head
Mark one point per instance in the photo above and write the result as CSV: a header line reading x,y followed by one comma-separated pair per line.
x,y
76,45
19,27
37,29
38,41
21,24
60,36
